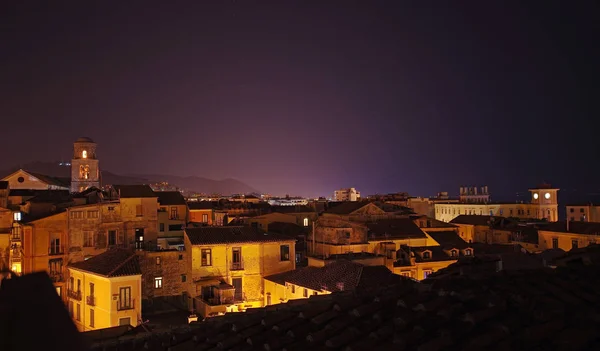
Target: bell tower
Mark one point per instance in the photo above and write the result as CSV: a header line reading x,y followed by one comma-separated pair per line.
x,y
84,165
544,199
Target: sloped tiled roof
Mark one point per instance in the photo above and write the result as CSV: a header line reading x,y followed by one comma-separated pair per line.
x,y
112,263
338,276
533,310
28,218
51,180
201,205
449,240
230,235
471,219
170,198
52,197
134,191
396,228
345,208
574,227
286,228
293,209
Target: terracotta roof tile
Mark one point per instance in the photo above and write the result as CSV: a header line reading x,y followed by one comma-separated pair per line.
x,y
134,191
170,198
231,234
396,228
112,263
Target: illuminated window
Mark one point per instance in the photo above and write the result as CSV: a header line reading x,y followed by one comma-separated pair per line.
x,y
84,172
454,253
84,154
158,282
306,222
158,260
17,216
204,218
468,252
426,273
206,257
284,251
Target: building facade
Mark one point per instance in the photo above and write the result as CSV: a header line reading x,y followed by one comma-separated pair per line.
x,y
543,205
105,291
347,194
228,265
583,213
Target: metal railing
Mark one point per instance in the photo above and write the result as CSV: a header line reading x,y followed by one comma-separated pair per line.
x,y
124,307
237,266
76,295
90,300
56,250
56,276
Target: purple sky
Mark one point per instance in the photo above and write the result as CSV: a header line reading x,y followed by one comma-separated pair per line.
x,y
304,97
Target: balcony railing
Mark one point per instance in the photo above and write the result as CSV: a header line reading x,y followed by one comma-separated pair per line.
x,y
237,266
76,295
125,306
56,250
90,300
56,277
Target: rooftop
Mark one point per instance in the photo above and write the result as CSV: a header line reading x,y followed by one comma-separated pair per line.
x,y
531,310
396,228
134,191
345,208
574,227
201,205
112,263
449,240
338,276
232,234
64,182
84,140
170,198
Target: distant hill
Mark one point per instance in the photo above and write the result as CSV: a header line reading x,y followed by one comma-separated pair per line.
x,y
191,183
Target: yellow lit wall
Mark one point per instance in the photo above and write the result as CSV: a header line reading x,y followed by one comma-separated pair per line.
x,y
105,307
282,293
564,240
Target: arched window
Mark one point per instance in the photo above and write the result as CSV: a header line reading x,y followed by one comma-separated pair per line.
x,y
84,172
84,154
306,222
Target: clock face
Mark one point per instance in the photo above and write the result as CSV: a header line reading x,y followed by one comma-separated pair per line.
x,y
535,196
547,196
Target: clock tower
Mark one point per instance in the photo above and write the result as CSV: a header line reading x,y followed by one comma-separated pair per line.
x,y
84,165
545,201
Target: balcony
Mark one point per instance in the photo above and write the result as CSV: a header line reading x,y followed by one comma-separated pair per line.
x,y
237,266
125,305
75,295
56,277
56,250
90,300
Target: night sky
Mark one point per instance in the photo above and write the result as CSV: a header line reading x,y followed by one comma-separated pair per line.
x,y
304,97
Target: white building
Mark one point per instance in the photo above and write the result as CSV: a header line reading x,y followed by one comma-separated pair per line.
x,y
349,194
288,202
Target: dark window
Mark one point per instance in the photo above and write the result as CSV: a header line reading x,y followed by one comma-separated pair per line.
x,y
175,227
125,321
183,278
574,244
139,238
78,315
162,227
20,179
71,308
293,289
555,243
468,252
269,300
581,210
112,237
92,289
180,257
284,252
426,254
206,257
125,298
55,248
572,210
236,254
347,235
305,294
91,318
174,213
237,284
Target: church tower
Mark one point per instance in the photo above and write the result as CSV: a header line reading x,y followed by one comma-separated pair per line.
x,y
84,165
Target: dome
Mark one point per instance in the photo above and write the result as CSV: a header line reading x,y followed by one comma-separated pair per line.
x,y
84,140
